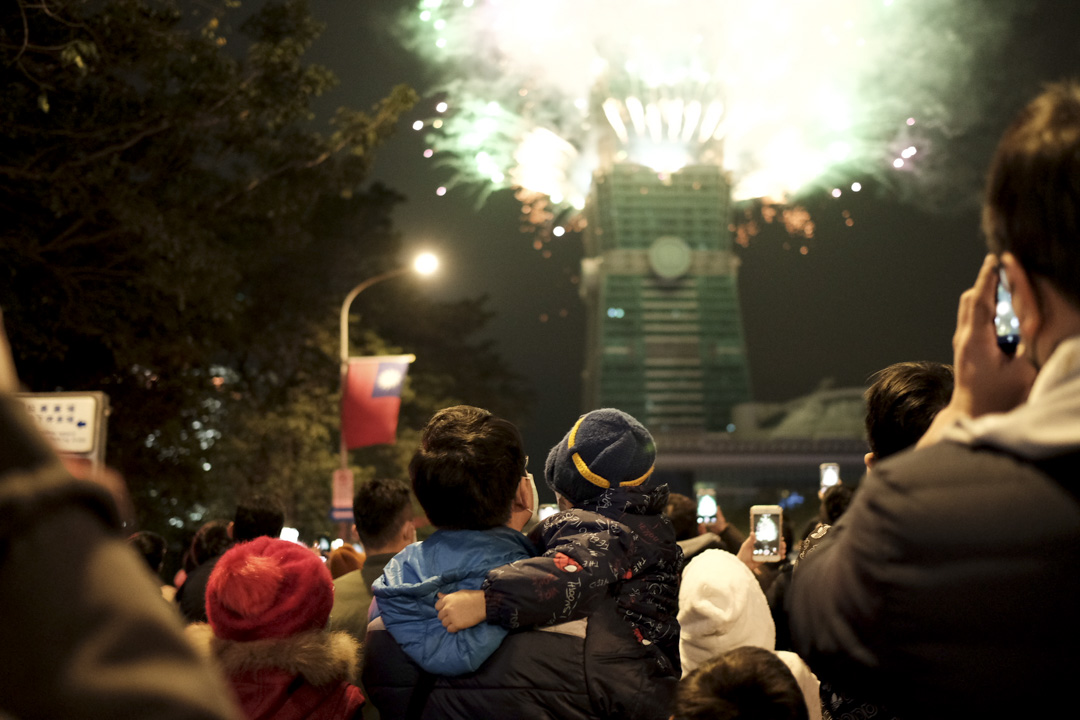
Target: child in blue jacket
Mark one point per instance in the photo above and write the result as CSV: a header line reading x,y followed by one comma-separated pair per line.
x,y
611,543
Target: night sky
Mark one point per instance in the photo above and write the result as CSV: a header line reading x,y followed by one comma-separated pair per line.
x,y
880,291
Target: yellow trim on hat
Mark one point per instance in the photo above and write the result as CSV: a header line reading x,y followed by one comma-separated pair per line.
x,y
641,479
588,474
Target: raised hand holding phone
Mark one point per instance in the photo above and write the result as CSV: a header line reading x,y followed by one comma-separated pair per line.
x,y
987,379
766,523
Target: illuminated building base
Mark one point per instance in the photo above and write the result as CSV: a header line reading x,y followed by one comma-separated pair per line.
x,y
664,333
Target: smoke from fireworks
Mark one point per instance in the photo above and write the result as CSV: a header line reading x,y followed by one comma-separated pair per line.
x,y
785,95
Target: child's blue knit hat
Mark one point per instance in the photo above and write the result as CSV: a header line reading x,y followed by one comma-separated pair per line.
x,y
605,448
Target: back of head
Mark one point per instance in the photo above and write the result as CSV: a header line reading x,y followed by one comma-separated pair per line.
x,y
151,546
747,682
211,539
258,516
268,588
721,607
1032,202
344,560
682,511
835,501
901,402
467,469
605,448
380,507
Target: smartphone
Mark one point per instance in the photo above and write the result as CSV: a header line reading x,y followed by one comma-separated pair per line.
x,y
830,475
1005,322
706,506
766,523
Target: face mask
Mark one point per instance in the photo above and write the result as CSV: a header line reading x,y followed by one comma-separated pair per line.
x,y
535,499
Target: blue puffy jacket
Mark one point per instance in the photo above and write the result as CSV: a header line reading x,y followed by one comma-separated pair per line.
x,y
406,593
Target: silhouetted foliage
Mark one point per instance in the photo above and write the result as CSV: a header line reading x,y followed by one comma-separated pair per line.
x,y
180,235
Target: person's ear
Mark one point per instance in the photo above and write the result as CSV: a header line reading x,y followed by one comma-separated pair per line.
x,y
869,459
523,496
355,537
229,530
408,531
1029,311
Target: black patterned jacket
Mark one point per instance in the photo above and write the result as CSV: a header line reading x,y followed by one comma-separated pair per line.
x,y
617,548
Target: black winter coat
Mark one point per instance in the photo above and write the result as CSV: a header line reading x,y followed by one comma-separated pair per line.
x,y
589,668
948,588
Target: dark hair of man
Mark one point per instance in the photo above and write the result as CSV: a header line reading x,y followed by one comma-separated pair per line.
x,y
380,507
467,468
901,402
256,516
682,511
210,540
1032,200
835,501
151,546
747,682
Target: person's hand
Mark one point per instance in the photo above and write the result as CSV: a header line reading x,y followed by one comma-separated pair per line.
x,y
986,380
462,609
746,553
718,526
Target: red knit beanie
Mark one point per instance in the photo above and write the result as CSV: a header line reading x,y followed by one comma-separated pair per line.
x,y
268,588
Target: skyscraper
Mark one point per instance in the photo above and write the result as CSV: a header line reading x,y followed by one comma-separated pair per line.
x,y
664,333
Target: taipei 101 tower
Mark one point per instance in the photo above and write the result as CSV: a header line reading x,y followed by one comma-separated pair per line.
x,y
664,337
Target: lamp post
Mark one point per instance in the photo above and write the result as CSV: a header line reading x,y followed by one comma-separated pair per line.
x,y
424,264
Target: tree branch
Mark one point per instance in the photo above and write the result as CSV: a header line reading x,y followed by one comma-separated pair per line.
x,y
26,35
281,170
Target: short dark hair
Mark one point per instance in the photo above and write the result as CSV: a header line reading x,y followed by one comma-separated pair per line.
x,y
835,501
901,402
747,682
380,507
1031,206
210,540
682,512
151,546
467,469
258,515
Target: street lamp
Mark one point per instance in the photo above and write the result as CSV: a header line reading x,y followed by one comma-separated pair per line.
x,y
424,264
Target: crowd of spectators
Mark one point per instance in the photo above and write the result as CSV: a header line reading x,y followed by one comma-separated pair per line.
x,y
939,586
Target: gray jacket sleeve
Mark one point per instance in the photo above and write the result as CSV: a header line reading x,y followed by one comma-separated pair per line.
x,y
85,631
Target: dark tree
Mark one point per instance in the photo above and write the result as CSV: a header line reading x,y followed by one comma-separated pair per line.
x,y
179,233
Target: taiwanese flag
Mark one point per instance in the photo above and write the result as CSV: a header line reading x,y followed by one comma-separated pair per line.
x,y
372,398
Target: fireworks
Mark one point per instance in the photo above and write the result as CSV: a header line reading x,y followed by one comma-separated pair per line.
x,y
785,95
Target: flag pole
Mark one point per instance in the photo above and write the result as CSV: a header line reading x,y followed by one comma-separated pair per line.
x,y
345,343
424,264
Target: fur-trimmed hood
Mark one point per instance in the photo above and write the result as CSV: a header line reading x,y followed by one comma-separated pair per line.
x,y
319,656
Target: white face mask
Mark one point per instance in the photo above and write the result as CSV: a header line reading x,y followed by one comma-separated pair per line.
x,y
535,499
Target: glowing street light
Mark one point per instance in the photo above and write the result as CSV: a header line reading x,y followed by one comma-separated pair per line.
x,y
424,264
